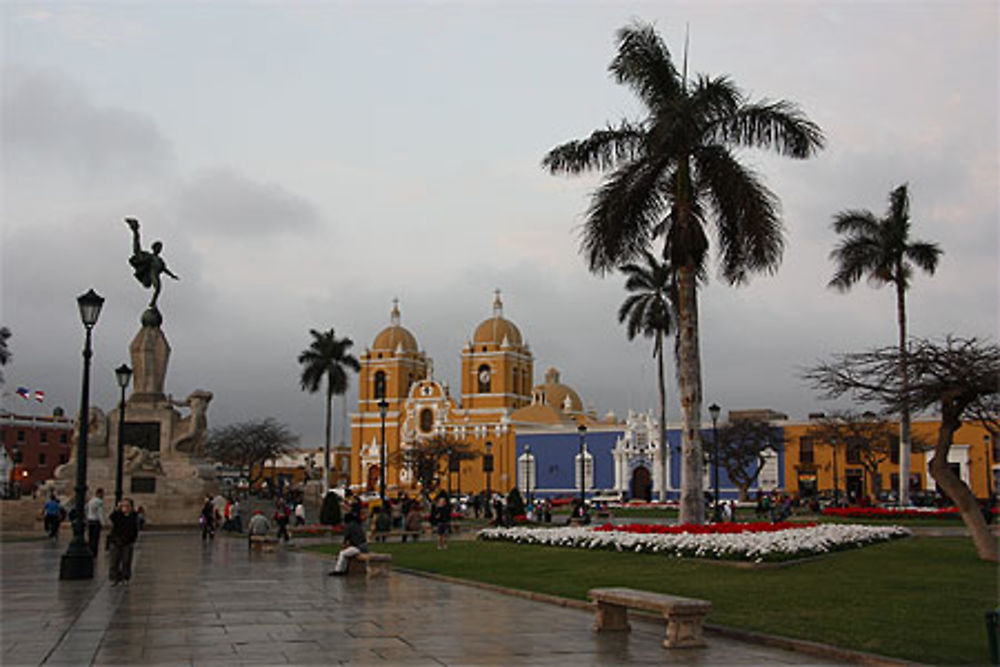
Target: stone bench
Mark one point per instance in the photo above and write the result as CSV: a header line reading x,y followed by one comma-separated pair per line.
x,y
262,542
369,564
684,616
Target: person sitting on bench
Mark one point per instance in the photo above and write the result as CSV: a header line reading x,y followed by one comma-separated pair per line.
x,y
259,524
355,543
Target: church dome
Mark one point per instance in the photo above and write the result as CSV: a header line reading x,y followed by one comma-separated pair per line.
x,y
395,335
556,394
497,330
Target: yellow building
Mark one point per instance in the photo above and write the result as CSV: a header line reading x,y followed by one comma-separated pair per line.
x,y
497,375
812,465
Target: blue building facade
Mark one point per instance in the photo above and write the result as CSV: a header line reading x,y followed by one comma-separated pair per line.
x,y
549,462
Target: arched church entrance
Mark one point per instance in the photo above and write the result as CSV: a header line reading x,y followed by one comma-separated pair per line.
x,y
642,484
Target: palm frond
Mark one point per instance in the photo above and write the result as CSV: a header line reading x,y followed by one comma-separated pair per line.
x,y
925,255
778,125
854,257
856,222
643,63
602,150
749,231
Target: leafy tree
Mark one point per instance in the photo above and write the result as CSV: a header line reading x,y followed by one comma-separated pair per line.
x,y
428,459
671,174
958,376
515,503
329,511
649,310
5,353
327,357
881,249
250,445
743,447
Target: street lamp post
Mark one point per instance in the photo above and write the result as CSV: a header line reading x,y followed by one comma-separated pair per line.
x,y
78,561
582,429
488,469
714,410
122,374
383,407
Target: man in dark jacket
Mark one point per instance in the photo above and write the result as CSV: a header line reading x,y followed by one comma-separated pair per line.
x,y
355,543
124,533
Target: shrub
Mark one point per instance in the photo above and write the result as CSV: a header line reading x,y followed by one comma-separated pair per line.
x,y
329,513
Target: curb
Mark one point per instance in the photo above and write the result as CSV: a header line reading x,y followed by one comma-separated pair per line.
x,y
815,649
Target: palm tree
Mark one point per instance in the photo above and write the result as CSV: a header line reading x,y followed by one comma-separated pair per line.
x,y
648,310
671,174
882,251
327,357
4,349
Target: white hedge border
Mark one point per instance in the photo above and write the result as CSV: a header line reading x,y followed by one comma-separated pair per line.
x,y
753,547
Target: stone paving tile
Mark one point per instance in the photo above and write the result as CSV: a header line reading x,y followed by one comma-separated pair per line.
x,y
215,604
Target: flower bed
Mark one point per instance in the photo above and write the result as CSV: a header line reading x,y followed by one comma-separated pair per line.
x,y
894,512
315,530
729,528
787,543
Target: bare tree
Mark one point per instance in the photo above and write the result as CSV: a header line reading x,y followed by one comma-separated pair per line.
x,y
959,376
250,445
743,448
866,437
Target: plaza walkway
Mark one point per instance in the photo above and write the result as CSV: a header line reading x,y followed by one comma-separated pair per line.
x,y
215,603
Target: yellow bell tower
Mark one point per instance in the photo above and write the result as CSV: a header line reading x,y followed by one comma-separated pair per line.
x,y
497,366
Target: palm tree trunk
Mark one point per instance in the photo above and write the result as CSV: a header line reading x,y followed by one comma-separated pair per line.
x,y
904,385
692,505
960,494
664,469
326,449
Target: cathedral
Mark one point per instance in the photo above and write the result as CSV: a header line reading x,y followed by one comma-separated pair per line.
x,y
400,403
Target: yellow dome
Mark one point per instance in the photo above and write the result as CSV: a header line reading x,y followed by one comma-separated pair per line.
x,y
497,329
555,393
395,335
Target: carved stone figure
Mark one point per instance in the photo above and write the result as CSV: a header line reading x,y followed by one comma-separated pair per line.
x,y
141,460
191,430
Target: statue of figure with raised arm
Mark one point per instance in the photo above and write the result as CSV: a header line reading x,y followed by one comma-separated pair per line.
x,y
148,265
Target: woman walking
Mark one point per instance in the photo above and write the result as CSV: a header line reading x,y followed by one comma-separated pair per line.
x,y
124,533
441,519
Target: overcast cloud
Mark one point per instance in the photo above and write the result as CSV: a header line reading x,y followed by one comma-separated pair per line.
x,y
306,163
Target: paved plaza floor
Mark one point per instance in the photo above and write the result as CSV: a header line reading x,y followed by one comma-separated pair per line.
x,y
216,603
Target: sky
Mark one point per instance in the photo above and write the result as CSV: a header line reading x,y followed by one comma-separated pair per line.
x,y
305,163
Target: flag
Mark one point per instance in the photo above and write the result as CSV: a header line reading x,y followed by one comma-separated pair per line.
x,y
23,392
39,396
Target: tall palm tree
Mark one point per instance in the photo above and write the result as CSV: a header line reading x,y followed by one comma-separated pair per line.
x,y
671,174
882,251
4,349
327,357
649,310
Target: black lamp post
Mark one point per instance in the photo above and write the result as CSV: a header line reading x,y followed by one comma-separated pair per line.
x,y
383,406
488,469
123,374
78,561
582,429
714,410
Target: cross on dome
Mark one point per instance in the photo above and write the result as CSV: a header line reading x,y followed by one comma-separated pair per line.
x,y
394,315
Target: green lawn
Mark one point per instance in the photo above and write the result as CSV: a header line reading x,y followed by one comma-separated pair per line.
x,y
922,599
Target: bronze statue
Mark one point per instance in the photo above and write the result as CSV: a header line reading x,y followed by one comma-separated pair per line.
x,y
148,265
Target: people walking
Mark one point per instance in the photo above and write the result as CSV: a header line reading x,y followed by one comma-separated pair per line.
x,y
52,513
207,520
441,519
281,517
95,521
122,538
355,543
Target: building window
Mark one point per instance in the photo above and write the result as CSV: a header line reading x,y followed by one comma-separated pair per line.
x,y
485,380
44,437
41,458
20,436
996,446
63,458
63,439
3,436
854,453
894,449
380,384
426,420
806,450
